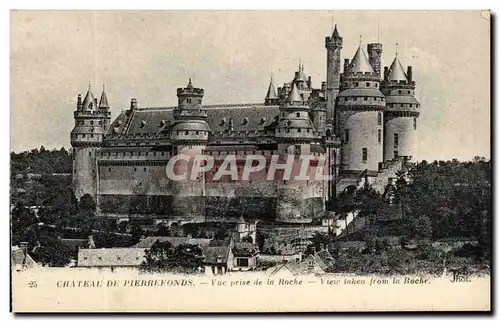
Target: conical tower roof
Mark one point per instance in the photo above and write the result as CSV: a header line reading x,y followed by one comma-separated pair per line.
x,y
360,63
396,71
294,94
88,100
103,102
190,84
271,91
335,32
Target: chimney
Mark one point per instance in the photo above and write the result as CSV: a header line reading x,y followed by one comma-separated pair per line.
x,y
323,86
309,82
79,101
346,64
133,103
409,73
386,72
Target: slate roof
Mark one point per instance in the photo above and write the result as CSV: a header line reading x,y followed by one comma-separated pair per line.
x,y
396,71
360,63
149,120
89,98
324,259
111,257
215,254
271,91
175,241
245,249
401,99
103,102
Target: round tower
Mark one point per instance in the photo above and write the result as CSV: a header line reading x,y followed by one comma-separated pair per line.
x,y
401,115
189,135
333,47
360,108
91,123
298,200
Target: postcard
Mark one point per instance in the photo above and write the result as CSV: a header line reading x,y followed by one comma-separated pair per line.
x,y
250,161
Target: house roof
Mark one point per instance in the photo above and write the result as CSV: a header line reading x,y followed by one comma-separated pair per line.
x,y
245,249
110,257
175,241
215,254
324,259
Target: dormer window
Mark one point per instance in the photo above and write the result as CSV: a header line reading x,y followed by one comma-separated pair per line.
x,y
189,101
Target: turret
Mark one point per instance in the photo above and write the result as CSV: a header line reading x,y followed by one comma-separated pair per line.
x,y
271,96
91,123
296,137
190,116
189,135
295,123
403,110
333,47
360,108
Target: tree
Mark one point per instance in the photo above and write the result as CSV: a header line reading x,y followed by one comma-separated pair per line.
x,y
319,241
162,257
158,257
421,227
87,203
188,258
54,253
163,230
22,218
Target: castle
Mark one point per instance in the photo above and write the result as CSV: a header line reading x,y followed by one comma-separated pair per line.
x,y
362,120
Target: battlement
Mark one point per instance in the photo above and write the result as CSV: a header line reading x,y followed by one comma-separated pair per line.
x,y
398,84
92,114
374,46
198,92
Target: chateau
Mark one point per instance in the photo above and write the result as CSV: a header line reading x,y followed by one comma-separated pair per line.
x,y
362,120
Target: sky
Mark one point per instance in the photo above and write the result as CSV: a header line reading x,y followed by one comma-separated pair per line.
x,y
231,54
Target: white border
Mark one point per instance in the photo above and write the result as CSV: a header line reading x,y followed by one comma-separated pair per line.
x,y
156,5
